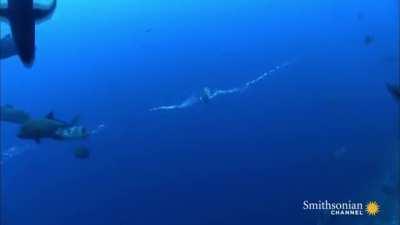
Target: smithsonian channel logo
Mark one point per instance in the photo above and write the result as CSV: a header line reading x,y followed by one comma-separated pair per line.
x,y
349,208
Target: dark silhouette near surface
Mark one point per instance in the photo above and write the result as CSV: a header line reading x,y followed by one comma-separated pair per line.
x,y
22,16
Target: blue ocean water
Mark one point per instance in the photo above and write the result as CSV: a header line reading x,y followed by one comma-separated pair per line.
x,y
322,128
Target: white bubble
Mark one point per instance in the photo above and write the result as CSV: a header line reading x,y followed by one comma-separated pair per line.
x,y
14,151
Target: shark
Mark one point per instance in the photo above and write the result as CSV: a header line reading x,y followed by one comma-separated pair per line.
x,y
22,15
12,115
51,128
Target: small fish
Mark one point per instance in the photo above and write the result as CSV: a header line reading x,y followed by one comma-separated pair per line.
x,y
368,40
82,152
394,91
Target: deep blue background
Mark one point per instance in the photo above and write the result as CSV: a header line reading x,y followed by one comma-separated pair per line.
x,y
250,158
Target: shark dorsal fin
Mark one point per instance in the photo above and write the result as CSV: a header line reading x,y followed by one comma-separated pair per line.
x,y
74,121
50,116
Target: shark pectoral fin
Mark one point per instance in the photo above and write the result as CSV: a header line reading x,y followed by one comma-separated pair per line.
x,y
43,12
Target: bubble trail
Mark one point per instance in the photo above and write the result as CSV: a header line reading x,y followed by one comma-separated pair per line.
x,y
208,94
14,151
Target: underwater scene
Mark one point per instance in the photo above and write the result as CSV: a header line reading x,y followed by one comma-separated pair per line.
x,y
189,112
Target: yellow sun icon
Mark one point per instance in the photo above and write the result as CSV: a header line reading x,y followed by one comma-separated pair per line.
x,y
373,208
